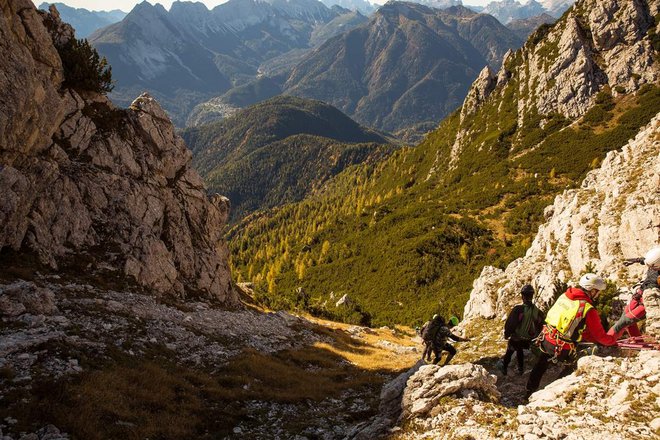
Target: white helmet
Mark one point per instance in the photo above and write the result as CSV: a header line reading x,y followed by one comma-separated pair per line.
x,y
652,257
592,281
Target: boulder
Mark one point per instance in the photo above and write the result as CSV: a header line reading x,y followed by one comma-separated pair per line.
x,y
431,383
26,297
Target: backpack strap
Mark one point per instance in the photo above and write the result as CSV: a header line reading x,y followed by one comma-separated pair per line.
x,y
577,320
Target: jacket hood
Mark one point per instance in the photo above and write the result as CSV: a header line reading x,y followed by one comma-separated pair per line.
x,y
575,294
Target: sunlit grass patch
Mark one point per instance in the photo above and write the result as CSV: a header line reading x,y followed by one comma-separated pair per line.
x,y
365,352
295,375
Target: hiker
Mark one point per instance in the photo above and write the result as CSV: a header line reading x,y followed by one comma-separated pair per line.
x,y
435,334
523,324
635,310
571,320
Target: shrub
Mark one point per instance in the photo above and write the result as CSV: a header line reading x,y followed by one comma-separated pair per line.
x,y
83,68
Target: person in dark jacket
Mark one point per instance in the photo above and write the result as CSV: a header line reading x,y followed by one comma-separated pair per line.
x,y
523,324
435,334
572,319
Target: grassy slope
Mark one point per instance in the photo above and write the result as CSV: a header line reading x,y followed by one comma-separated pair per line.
x,y
407,236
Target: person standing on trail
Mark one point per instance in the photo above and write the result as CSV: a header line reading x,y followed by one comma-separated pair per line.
x,y
435,334
571,320
523,324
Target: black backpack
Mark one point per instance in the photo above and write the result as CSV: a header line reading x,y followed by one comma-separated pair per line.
x,y
430,329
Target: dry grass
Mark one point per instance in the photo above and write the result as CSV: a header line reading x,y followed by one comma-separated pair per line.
x,y
135,401
364,352
294,376
150,397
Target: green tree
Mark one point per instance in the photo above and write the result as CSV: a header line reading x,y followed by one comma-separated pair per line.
x,y
84,69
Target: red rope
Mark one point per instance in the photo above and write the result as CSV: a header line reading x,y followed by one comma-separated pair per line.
x,y
639,343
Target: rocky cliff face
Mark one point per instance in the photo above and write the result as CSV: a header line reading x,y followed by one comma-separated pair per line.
x,y
83,180
600,44
596,46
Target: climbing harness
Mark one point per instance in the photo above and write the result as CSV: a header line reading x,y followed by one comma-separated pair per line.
x,y
563,352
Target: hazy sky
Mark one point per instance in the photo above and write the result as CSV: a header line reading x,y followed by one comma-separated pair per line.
x,y
127,5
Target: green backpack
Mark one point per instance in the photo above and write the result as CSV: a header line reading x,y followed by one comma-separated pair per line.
x,y
529,319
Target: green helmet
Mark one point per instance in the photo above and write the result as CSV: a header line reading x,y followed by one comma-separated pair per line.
x,y
453,321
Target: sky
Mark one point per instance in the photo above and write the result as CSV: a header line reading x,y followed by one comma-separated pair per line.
x,y
127,5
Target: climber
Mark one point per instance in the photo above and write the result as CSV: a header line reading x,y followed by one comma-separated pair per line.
x,y
428,333
523,324
435,334
632,314
635,310
572,319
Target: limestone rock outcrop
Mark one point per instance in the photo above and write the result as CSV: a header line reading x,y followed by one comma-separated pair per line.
x,y
432,382
617,395
601,43
417,395
613,216
597,45
480,90
92,187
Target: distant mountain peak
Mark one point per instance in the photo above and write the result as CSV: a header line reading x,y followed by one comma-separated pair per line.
x,y
84,21
185,6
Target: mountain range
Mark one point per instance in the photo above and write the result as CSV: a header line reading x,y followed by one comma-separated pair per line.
x,y
363,6
409,65
524,27
189,54
86,22
474,191
508,10
278,151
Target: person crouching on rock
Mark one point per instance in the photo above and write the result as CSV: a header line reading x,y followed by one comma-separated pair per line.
x,y
435,334
632,314
523,324
572,319
635,310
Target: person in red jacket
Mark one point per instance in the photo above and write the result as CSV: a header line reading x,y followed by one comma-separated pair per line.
x,y
632,314
571,320
635,311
